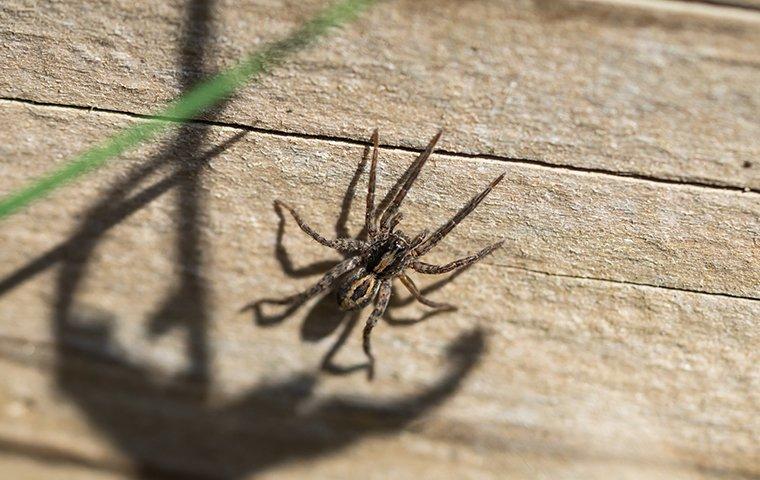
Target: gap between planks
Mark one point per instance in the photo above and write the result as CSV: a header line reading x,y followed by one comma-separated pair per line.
x,y
729,4
623,282
351,141
734,9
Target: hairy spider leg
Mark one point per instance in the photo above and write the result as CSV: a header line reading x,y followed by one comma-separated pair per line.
x,y
409,284
324,283
343,245
381,303
369,218
438,235
400,189
395,220
419,238
430,269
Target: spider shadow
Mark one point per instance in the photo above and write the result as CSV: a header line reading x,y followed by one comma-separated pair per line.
x,y
170,427
324,316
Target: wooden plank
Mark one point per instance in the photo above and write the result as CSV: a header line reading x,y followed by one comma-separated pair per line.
x,y
576,377
574,223
665,90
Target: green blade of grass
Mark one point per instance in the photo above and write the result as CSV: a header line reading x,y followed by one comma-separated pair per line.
x,y
197,100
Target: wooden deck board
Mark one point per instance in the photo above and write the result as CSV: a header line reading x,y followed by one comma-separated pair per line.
x,y
614,336
567,223
658,89
579,377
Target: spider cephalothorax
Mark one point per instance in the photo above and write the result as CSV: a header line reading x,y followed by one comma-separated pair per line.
x,y
384,259
372,264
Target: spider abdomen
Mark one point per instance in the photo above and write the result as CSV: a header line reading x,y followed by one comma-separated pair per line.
x,y
357,290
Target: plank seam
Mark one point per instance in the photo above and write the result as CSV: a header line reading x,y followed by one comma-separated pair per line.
x,y
710,8
350,141
724,4
624,282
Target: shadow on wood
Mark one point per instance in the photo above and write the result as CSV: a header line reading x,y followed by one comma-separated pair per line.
x,y
168,428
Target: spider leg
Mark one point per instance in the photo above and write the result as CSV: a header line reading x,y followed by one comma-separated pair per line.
x,y
409,284
383,296
393,222
401,189
419,238
343,245
431,269
438,235
325,282
369,218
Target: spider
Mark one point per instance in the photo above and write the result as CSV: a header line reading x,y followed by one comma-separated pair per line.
x,y
371,265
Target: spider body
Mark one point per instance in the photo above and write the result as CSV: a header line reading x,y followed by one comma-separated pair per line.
x,y
387,256
371,265
358,290
384,259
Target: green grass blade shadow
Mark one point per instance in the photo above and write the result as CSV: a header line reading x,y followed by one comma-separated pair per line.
x,y
200,98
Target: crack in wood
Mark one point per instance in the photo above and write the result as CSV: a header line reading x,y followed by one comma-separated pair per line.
x,y
351,141
624,282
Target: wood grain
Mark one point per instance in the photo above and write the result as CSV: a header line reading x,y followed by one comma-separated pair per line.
x,y
123,347
577,224
662,90
614,336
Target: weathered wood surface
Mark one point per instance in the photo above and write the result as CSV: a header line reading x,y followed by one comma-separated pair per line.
x,y
578,373
618,328
658,89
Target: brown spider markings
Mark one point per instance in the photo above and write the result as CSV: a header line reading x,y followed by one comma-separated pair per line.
x,y
371,265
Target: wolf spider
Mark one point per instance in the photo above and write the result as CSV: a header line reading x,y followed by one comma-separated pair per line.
x,y
370,266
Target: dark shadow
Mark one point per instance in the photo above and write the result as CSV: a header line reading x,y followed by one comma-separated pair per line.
x,y
284,259
167,426
328,361
322,320
171,432
341,226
